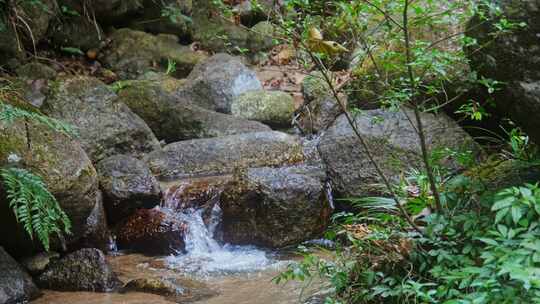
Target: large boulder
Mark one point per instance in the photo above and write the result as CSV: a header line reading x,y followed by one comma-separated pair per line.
x,y
513,58
127,185
394,144
106,127
174,118
275,207
153,231
222,155
66,170
274,108
133,53
83,270
16,286
76,32
108,11
214,83
165,17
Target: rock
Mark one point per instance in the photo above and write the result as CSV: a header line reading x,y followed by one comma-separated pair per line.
x,y
77,32
261,36
512,58
152,231
222,155
36,70
16,286
106,127
496,175
35,265
66,170
38,16
165,17
127,185
178,291
275,207
394,144
133,53
214,83
10,51
97,235
274,108
105,11
320,107
220,35
83,270
174,118
195,193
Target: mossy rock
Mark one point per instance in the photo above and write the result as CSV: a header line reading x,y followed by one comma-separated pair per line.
x,y
133,53
66,170
274,108
173,118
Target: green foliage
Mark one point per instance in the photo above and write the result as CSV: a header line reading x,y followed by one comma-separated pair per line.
x,y
72,51
35,208
171,67
489,253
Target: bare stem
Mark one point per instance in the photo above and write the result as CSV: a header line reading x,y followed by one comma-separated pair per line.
x,y
416,108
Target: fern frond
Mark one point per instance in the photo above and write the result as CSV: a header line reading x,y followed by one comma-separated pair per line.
x,y
35,208
9,114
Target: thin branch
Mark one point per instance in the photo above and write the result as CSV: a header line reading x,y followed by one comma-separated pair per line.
x,y
419,122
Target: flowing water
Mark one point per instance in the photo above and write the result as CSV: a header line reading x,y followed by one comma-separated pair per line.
x,y
239,274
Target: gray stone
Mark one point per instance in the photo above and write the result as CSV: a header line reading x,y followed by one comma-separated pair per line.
x,y
83,270
513,58
77,32
394,144
127,185
214,83
106,127
173,118
222,155
275,207
16,285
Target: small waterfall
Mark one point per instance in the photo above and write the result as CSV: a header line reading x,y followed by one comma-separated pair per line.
x,y
204,255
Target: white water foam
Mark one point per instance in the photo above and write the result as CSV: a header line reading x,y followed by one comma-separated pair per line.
x,y
206,257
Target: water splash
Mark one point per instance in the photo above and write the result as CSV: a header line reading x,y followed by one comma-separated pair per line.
x,y
206,257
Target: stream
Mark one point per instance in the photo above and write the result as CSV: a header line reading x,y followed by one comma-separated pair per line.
x,y
235,274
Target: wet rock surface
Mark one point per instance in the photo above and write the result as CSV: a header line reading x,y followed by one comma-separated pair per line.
x,y
176,290
394,144
153,231
223,154
35,265
83,270
16,286
105,126
127,185
275,207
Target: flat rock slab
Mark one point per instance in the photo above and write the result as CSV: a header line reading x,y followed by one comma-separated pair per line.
x,y
222,155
